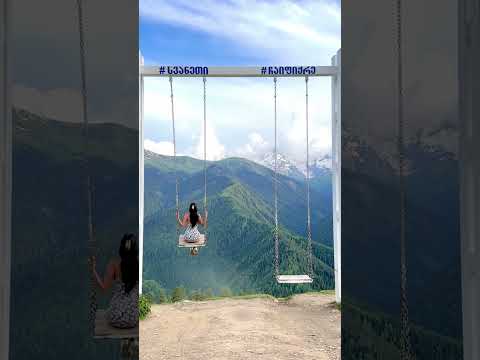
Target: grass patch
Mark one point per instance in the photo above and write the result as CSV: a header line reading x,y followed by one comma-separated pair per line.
x,y
310,293
260,296
321,292
237,297
253,296
144,306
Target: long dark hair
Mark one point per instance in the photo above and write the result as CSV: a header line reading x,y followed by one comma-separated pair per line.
x,y
193,214
129,261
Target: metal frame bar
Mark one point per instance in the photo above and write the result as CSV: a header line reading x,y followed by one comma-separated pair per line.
x,y
469,76
333,71
141,162
244,71
5,178
337,173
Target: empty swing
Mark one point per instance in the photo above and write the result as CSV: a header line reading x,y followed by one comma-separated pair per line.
x,y
202,238
292,279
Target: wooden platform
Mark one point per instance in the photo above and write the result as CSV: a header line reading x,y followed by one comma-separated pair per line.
x,y
185,244
294,279
103,330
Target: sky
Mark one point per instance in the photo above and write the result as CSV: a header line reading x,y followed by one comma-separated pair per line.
x,y
240,111
45,40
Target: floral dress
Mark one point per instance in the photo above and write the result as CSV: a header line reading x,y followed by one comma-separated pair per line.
x,y
123,309
192,234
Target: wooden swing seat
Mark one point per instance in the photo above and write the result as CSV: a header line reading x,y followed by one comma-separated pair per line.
x,y
294,279
186,244
103,330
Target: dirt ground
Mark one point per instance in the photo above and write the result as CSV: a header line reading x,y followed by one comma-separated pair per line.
x,y
307,327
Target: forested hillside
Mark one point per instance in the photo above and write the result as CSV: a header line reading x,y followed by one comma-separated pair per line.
x,y
239,255
50,211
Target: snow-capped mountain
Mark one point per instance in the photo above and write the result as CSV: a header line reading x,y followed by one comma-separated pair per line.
x,y
323,162
321,166
285,166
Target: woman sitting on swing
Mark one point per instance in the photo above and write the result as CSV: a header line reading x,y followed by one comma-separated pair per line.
x,y
122,275
190,221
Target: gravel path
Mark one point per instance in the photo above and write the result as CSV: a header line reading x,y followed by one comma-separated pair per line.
x,y
307,327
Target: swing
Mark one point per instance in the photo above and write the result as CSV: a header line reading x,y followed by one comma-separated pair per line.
x,y
292,279
186,244
103,330
202,241
98,321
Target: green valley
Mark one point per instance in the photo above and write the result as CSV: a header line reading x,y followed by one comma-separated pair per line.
x,y
239,255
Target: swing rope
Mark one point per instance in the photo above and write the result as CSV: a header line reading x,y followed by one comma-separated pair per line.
x,y
177,202
177,205
275,190
405,346
309,226
275,186
205,155
92,243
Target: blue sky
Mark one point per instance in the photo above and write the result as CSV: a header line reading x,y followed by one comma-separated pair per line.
x,y
240,111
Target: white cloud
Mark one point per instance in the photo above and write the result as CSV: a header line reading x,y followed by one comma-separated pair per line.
x,y
254,148
161,147
237,108
293,138
283,30
322,143
215,149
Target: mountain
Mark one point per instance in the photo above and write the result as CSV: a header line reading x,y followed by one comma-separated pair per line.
x,y
319,167
160,189
370,193
240,248
50,275
320,170
285,166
